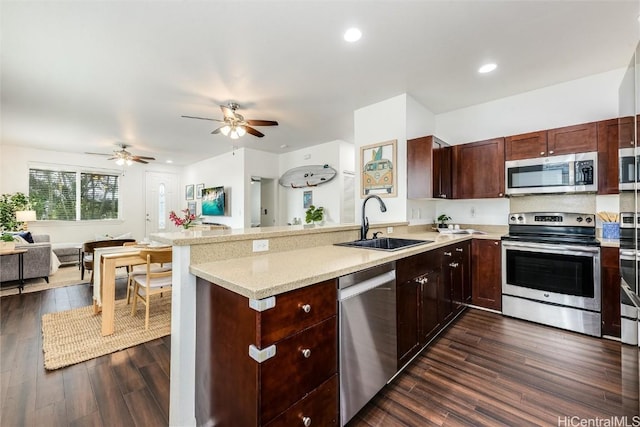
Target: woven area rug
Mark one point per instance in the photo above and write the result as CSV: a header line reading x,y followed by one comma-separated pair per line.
x,y
73,336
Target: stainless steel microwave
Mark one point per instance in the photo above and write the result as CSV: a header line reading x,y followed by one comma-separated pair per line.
x,y
570,173
629,168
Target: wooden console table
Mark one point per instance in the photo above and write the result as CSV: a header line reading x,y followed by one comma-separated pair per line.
x,y
20,253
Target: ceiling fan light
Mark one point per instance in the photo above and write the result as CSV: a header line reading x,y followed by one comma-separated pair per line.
x,y
225,130
120,161
241,131
234,134
129,162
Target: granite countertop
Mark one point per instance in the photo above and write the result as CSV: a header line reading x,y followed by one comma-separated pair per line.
x,y
262,276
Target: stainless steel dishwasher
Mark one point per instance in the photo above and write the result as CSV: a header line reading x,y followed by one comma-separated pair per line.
x,y
368,337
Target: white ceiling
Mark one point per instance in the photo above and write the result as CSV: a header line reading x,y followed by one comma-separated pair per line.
x,y
83,76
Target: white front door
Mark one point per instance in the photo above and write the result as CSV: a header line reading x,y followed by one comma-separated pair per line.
x,y
161,192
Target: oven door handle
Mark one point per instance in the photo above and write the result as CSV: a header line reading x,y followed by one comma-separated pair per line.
x,y
552,247
628,255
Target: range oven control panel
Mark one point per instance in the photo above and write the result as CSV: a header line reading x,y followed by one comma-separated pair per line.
x,y
553,218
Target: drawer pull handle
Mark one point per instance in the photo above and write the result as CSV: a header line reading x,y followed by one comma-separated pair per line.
x,y
459,250
542,153
306,308
550,151
306,353
446,253
306,421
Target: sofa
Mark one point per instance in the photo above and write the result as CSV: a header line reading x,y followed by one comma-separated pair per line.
x,y
37,260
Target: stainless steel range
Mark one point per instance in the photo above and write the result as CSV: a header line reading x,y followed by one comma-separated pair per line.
x,y
551,270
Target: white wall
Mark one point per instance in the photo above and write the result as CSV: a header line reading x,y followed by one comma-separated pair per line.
x,y
585,100
225,170
380,122
15,162
334,154
265,165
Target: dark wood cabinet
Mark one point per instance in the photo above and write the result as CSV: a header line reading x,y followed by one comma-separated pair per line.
x,y
459,272
428,168
608,142
580,138
418,288
479,169
526,146
486,273
242,353
610,285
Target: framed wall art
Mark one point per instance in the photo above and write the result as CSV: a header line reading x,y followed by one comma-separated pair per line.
x,y
307,199
188,192
192,206
199,189
378,169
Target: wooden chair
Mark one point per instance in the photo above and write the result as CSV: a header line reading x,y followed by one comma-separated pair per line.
x,y
90,246
151,283
140,270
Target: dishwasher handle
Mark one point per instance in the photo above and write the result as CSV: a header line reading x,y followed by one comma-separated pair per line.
x,y
388,279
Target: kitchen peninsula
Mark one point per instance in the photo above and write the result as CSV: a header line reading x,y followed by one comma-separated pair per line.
x,y
297,257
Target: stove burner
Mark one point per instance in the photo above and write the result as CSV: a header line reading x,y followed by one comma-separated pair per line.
x,y
553,228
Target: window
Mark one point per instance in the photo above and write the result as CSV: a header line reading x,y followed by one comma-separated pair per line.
x,y
70,195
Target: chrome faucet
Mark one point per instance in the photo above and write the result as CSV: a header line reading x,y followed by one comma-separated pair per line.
x,y
365,221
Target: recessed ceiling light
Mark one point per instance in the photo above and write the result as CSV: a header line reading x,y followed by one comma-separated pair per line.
x,y
169,161
284,146
352,35
487,68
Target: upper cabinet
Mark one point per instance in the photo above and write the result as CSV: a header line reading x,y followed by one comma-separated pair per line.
x,y
554,142
428,168
479,169
573,139
609,138
526,145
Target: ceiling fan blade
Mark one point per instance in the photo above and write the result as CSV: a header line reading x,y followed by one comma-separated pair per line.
x,y
253,131
217,131
98,154
262,122
201,118
136,159
228,112
144,157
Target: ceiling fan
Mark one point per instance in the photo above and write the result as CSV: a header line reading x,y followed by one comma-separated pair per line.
x,y
122,156
235,125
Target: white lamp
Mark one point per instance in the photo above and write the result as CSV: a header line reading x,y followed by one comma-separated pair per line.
x,y
25,217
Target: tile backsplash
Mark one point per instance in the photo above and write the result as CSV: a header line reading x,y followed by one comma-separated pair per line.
x,y
581,203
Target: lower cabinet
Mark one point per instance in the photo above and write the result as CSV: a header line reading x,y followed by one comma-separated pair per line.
x,y
610,285
275,364
487,273
432,288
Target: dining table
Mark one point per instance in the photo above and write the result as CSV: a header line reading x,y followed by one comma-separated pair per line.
x,y
106,261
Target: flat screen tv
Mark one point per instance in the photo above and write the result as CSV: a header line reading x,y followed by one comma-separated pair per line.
x,y
213,201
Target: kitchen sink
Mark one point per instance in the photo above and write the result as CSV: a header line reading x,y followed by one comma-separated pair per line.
x,y
385,243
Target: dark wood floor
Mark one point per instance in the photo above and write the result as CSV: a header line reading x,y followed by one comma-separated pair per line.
x,y
491,370
127,388
485,370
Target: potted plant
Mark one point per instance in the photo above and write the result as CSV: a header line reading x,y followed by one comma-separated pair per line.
x,y
314,215
442,220
6,242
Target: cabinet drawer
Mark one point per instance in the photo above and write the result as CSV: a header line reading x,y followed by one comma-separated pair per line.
x,y
320,407
295,311
289,375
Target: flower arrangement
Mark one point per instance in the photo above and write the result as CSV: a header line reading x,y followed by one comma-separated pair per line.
x,y
184,221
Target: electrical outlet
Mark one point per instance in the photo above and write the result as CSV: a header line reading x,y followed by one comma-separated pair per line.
x,y
389,230
260,245
473,211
